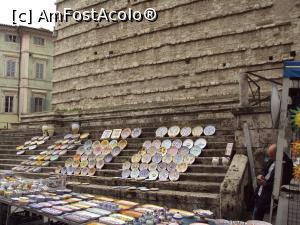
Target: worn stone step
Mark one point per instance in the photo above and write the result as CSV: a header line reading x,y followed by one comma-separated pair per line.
x,y
10,166
211,177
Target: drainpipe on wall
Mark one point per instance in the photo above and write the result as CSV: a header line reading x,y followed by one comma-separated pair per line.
x,y
19,73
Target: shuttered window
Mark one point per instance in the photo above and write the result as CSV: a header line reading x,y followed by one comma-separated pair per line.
x,y
11,68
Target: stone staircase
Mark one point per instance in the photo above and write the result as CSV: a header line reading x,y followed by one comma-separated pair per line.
x,y
199,187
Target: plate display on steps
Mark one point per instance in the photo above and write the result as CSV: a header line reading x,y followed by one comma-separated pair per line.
x,y
161,132
116,151
173,131
92,172
84,171
113,143
106,134
209,130
152,150
197,131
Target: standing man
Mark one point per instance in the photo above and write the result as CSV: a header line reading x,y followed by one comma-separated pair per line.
x,y
263,193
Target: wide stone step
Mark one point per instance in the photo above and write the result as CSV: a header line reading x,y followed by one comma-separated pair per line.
x,y
169,198
10,166
196,177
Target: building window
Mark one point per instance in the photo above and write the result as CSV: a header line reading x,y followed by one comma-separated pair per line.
x,y
38,41
11,38
38,104
39,70
11,68
9,104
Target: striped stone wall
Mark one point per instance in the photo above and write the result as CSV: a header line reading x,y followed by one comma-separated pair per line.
x,y
194,52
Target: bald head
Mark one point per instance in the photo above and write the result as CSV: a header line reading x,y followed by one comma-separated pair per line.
x,y
271,152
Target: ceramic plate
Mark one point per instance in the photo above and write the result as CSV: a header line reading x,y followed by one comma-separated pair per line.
x,y
134,173
172,151
184,151
162,151
108,158
147,144
209,130
143,166
196,150
84,135
182,167
68,136
188,143
136,158
161,132
54,158
146,158
126,165
171,166
156,143
136,132
189,159
80,150
185,131
201,142
125,133
197,131
116,151
100,157
70,170
96,144
153,175
32,147
167,158
163,175
113,143
69,162
152,150
84,163
78,157
106,134
162,166
76,163
152,166
135,166
97,150
126,173
92,163
122,144
143,151
173,131
100,164
144,173
77,171
166,143
177,143
92,172
157,158
177,159
116,133
84,171
20,152
174,175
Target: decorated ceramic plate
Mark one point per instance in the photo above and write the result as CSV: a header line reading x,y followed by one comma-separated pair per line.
x,y
185,131
88,144
47,158
63,152
163,175
182,167
106,134
100,164
189,159
157,158
188,143
32,147
84,171
161,132
162,151
70,170
126,173
20,152
83,157
171,166
116,151
134,173
78,157
201,142
108,158
143,151
147,144
84,163
96,144
126,165
173,131
153,175
92,172
143,166
69,162
146,158
174,175
84,136
116,134
156,143
152,166
161,166
135,166
136,132
54,158
196,150
92,163
104,143
91,157
152,150
136,158
197,131
100,157
177,143
167,158
144,173
122,144
113,143
77,171
97,150
80,150
184,151
167,143
63,171
58,169
172,151
20,147
209,130
125,133
178,158
76,163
